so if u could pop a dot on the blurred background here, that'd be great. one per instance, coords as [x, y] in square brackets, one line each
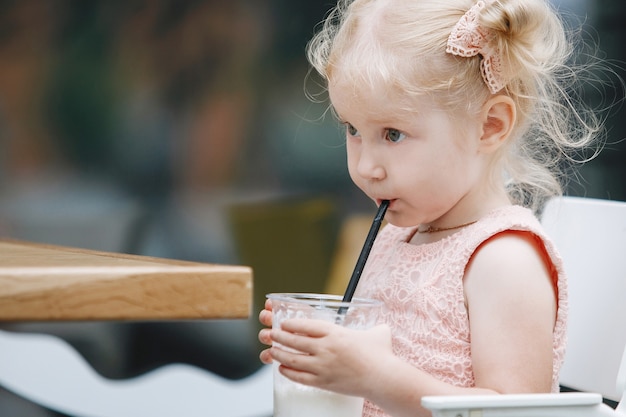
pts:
[181, 129]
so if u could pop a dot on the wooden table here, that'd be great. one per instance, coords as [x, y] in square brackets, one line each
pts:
[45, 282]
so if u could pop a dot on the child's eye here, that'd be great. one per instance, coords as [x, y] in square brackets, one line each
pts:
[393, 135]
[352, 130]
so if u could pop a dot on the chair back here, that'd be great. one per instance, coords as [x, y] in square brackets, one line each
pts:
[591, 237]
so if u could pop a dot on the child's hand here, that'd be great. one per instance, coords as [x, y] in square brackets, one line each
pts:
[333, 357]
[265, 317]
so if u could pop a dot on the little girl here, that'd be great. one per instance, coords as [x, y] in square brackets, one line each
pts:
[456, 112]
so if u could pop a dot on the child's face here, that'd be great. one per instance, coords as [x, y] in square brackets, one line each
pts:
[425, 162]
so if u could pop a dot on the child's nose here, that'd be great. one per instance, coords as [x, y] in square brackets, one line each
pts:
[369, 165]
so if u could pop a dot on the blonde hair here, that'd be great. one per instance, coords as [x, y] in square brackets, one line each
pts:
[400, 45]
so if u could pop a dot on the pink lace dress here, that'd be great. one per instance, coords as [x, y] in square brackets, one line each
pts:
[422, 290]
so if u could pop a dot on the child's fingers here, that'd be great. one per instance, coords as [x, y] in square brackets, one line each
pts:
[288, 341]
[265, 337]
[308, 327]
[266, 357]
[265, 317]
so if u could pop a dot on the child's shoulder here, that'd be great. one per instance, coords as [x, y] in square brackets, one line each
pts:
[510, 218]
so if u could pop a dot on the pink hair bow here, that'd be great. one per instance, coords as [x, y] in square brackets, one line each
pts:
[469, 39]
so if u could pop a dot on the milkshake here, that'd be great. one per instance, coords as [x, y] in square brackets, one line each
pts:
[292, 399]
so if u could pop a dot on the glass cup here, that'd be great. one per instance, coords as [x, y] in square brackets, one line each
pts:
[292, 399]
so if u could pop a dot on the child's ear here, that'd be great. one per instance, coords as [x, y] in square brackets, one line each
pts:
[499, 115]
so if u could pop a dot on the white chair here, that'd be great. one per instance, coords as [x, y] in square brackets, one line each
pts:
[591, 236]
[42, 282]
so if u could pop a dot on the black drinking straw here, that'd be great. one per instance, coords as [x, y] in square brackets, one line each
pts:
[360, 263]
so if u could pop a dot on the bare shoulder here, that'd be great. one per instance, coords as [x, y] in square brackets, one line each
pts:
[509, 261]
[512, 245]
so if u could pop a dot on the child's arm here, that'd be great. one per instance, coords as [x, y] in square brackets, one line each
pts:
[512, 310]
[356, 362]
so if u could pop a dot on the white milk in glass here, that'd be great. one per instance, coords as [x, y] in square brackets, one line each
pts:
[296, 400]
